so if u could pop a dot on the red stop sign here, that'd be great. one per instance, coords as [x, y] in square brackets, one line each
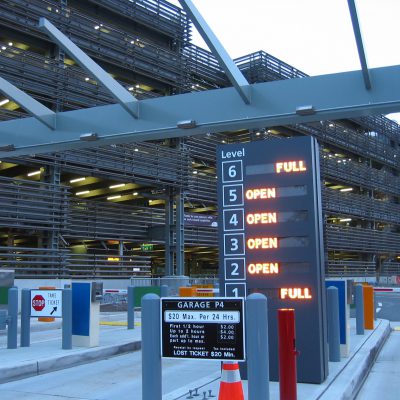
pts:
[38, 302]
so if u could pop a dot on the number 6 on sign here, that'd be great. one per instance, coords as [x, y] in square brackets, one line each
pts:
[232, 171]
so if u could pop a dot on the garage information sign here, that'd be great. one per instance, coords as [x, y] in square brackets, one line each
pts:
[46, 303]
[211, 329]
[270, 239]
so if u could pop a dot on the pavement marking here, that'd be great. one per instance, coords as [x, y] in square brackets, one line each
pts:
[117, 323]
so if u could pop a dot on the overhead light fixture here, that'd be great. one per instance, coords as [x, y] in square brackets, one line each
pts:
[33, 173]
[3, 47]
[305, 110]
[136, 149]
[97, 27]
[117, 186]
[346, 189]
[87, 79]
[114, 197]
[77, 180]
[135, 193]
[89, 137]
[80, 193]
[7, 147]
[186, 124]
[3, 102]
[131, 88]
[10, 43]
[345, 219]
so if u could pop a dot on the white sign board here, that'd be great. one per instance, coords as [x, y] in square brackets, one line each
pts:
[46, 303]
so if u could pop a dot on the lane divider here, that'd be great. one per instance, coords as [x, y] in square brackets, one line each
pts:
[117, 323]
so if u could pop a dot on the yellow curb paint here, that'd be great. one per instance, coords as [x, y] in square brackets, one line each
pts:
[117, 323]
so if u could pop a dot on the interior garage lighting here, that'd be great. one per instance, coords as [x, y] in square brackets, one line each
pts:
[135, 193]
[345, 219]
[346, 189]
[10, 43]
[3, 102]
[77, 180]
[80, 193]
[117, 186]
[114, 197]
[33, 173]
[3, 47]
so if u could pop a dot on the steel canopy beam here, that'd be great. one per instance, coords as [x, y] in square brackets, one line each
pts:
[230, 68]
[28, 103]
[123, 96]
[276, 103]
[359, 42]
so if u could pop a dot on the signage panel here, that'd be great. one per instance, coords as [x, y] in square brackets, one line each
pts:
[211, 329]
[46, 303]
[270, 235]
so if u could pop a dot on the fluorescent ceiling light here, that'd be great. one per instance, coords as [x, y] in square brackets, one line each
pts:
[34, 173]
[80, 193]
[3, 102]
[77, 180]
[345, 219]
[346, 189]
[113, 197]
[117, 186]
[135, 193]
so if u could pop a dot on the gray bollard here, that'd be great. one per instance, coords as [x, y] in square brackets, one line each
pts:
[151, 348]
[333, 323]
[164, 291]
[131, 307]
[257, 346]
[12, 318]
[359, 301]
[67, 319]
[25, 339]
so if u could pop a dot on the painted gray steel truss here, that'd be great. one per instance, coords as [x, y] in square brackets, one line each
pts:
[286, 102]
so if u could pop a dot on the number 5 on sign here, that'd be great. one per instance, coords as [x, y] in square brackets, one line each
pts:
[232, 195]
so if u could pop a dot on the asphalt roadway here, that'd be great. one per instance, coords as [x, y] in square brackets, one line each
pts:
[44, 371]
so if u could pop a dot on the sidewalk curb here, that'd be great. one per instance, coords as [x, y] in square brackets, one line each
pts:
[359, 365]
[46, 365]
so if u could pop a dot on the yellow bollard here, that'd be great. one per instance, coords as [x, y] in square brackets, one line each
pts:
[368, 292]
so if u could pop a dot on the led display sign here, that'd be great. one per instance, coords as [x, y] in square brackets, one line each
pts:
[270, 233]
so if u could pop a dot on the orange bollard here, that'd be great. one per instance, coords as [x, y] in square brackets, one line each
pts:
[231, 384]
[368, 292]
[187, 291]
[46, 319]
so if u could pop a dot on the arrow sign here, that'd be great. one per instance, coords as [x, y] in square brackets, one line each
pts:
[46, 303]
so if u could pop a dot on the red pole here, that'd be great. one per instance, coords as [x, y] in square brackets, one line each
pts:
[287, 354]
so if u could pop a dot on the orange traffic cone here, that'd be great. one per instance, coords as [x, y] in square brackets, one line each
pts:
[231, 384]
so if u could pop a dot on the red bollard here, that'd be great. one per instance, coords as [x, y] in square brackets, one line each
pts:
[287, 354]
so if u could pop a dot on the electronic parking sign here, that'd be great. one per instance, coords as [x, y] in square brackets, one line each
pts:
[270, 235]
[197, 328]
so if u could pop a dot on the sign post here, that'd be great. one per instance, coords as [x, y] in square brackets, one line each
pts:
[270, 235]
[211, 329]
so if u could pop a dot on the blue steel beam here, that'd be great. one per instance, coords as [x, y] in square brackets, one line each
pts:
[335, 96]
[28, 103]
[123, 96]
[232, 71]
[359, 42]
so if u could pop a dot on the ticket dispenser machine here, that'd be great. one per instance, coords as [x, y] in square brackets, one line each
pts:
[86, 298]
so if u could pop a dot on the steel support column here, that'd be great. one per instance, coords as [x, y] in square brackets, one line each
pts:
[180, 234]
[169, 217]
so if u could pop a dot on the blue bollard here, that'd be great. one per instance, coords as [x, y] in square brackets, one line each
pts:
[25, 318]
[12, 318]
[131, 307]
[333, 324]
[359, 300]
[67, 319]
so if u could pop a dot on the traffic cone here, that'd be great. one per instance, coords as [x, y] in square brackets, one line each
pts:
[231, 384]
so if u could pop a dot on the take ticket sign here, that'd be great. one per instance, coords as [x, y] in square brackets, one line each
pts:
[270, 236]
